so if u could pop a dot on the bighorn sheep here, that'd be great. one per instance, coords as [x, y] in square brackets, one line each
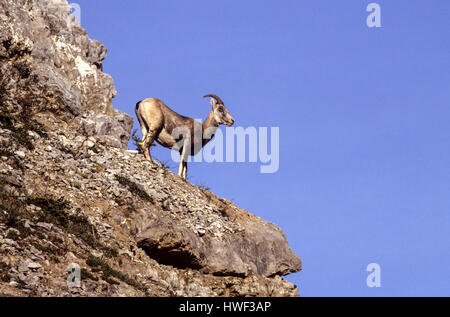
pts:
[172, 130]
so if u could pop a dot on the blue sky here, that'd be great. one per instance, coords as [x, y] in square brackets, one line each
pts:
[363, 113]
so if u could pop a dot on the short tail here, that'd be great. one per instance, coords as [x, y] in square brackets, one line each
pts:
[137, 105]
[141, 120]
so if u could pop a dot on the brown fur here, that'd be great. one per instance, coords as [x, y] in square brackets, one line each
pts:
[159, 122]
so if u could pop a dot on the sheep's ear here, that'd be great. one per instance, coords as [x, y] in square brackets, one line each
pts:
[213, 103]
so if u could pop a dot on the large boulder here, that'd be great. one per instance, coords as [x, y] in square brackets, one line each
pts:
[236, 244]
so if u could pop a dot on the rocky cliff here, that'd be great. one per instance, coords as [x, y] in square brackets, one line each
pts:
[72, 193]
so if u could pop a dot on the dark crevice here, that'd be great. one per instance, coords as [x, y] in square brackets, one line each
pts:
[230, 274]
[173, 256]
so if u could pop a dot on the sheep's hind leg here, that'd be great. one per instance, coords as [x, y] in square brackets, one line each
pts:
[141, 144]
[146, 137]
[147, 143]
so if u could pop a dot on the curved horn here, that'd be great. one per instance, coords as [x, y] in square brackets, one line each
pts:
[215, 97]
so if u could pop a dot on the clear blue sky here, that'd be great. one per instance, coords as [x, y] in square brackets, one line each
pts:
[364, 117]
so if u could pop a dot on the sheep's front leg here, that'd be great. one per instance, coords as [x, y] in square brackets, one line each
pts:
[182, 170]
[185, 168]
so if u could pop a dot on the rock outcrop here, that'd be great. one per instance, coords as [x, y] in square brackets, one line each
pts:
[51, 65]
[71, 193]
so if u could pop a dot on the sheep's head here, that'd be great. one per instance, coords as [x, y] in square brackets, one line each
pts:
[221, 114]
